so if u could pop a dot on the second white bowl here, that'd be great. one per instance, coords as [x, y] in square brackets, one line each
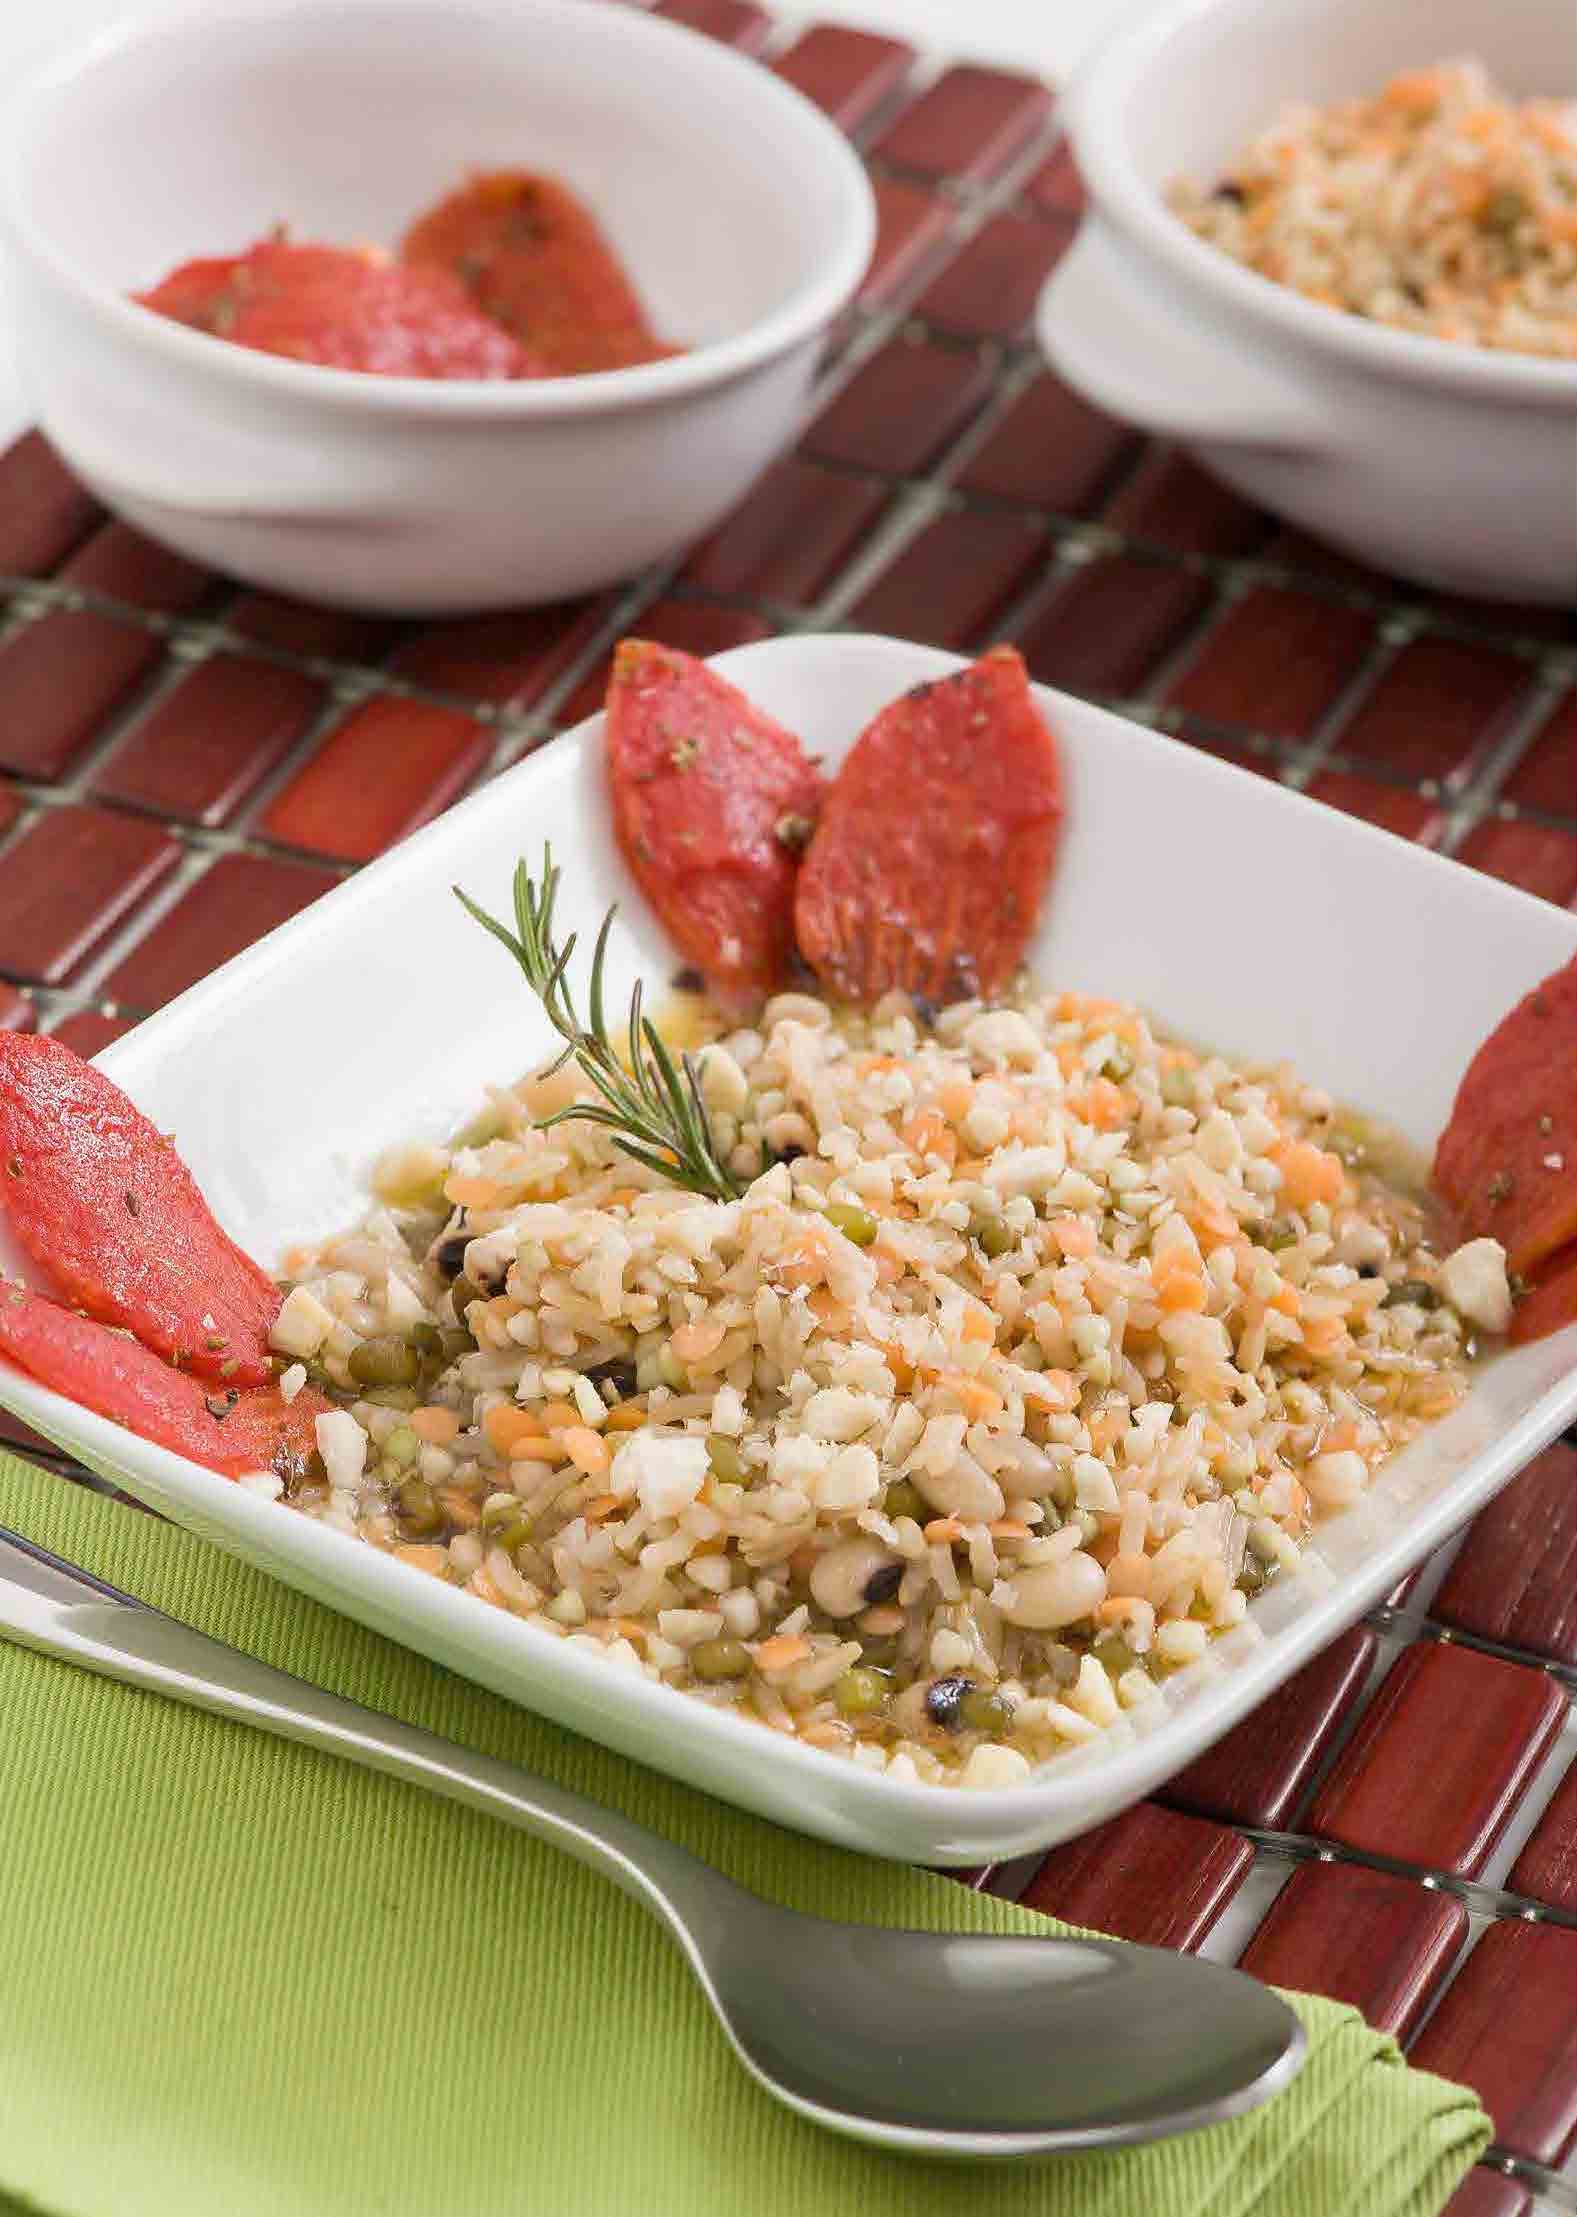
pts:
[742, 215]
[1447, 463]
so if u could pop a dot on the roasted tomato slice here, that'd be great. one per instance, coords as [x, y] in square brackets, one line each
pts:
[226, 1429]
[935, 842]
[115, 1221]
[200, 294]
[1507, 1160]
[535, 260]
[342, 308]
[712, 803]
[1551, 1300]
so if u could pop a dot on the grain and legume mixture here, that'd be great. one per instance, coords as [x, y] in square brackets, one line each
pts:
[1029, 1354]
[1438, 206]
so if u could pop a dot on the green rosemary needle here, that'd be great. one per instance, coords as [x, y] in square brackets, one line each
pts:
[650, 1104]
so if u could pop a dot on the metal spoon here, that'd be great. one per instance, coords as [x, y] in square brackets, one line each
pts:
[936, 2043]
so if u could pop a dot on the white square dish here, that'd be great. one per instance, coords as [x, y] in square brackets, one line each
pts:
[1240, 913]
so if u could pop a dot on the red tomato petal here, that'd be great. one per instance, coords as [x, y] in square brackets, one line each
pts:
[1507, 1160]
[535, 260]
[936, 841]
[200, 294]
[115, 1221]
[103, 1370]
[343, 309]
[712, 803]
[1551, 1301]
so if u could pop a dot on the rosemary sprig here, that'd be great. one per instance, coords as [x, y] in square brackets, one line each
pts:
[651, 1105]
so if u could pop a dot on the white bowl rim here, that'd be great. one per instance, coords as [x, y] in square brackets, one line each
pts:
[806, 310]
[1093, 111]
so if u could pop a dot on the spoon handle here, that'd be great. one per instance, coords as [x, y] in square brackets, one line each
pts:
[52, 1606]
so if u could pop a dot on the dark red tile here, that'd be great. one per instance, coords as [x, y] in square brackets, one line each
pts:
[1056, 189]
[1488, 2194]
[1514, 1579]
[1051, 449]
[70, 879]
[1258, 1773]
[61, 677]
[1536, 857]
[292, 627]
[120, 562]
[1508, 2027]
[790, 537]
[17, 1013]
[847, 73]
[1111, 623]
[1173, 503]
[989, 290]
[200, 749]
[1546, 777]
[694, 626]
[910, 222]
[901, 408]
[735, 22]
[968, 123]
[88, 1032]
[1291, 549]
[1381, 1943]
[232, 904]
[1435, 1768]
[1393, 807]
[1150, 1875]
[1274, 663]
[508, 661]
[1546, 1870]
[1436, 709]
[950, 584]
[391, 766]
[64, 674]
[44, 512]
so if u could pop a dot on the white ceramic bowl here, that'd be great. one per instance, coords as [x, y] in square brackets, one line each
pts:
[1452, 465]
[276, 1077]
[741, 213]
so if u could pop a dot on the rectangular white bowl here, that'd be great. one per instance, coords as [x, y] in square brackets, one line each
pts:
[1241, 914]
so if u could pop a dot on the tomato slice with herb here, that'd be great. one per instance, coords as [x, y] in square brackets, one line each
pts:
[712, 804]
[115, 1222]
[201, 294]
[342, 308]
[1550, 1301]
[227, 1429]
[936, 842]
[533, 258]
[1507, 1160]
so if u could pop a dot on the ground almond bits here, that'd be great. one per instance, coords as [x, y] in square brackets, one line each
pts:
[1028, 1357]
[1438, 206]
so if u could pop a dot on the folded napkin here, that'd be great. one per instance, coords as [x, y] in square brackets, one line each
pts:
[239, 1976]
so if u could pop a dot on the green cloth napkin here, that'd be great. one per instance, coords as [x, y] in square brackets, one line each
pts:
[237, 1976]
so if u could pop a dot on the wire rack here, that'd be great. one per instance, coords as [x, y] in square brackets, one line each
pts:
[184, 763]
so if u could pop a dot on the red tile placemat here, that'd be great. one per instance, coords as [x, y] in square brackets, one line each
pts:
[184, 763]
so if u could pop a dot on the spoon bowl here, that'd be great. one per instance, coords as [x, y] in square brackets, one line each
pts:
[993, 2045]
